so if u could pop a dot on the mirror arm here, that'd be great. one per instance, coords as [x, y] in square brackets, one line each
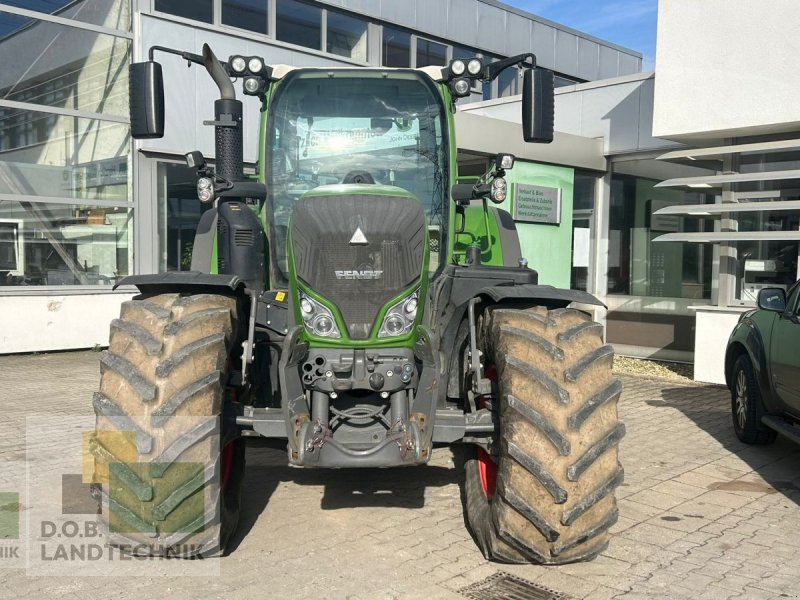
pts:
[187, 56]
[492, 70]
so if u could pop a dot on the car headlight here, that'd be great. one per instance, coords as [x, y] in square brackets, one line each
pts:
[400, 317]
[317, 318]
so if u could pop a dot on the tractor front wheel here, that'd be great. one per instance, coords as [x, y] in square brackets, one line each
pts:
[169, 466]
[547, 495]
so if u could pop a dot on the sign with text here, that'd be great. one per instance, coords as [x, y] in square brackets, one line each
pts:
[537, 204]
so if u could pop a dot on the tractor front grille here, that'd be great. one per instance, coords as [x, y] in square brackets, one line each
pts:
[358, 277]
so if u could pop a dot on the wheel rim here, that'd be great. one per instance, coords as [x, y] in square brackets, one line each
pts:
[487, 469]
[741, 398]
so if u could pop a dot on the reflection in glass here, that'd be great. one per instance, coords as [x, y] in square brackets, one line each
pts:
[199, 10]
[323, 128]
[509, 82]
[299, 23]
[768, 263]
[637, 265]
[51, 155]
[61, 244]
[396, 48]
[347, 36]
[179, 212]
[115, 14]
[73, 68]
[430, 53]
[245, 14]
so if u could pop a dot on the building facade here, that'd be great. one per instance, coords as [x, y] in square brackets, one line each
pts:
[677, 189]
[81, 206]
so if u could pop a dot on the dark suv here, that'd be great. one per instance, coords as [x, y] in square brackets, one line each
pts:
[762, 368]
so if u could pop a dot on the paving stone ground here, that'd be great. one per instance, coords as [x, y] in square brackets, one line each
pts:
[701, 515]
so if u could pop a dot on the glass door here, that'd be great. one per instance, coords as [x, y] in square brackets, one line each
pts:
[582, 228]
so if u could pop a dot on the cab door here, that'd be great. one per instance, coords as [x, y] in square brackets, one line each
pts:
[785, 353]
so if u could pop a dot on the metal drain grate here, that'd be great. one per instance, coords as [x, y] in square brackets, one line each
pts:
[503, 586]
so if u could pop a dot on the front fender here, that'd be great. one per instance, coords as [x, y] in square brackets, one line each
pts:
[543, 294]
[747, 337]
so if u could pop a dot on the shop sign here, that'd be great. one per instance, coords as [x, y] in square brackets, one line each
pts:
[537, 204]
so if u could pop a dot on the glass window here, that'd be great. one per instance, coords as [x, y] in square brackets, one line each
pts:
[637, 265]
[115, 14]
[765, 263]
[347, 36]
[583, 194]
[50, 155]
[74, 69]
[63, 244]
[462, 52]
[10, 23]
[324, 128]
[396, 48]
[430, 53]
[179, 212]
[245, 14]
[299, 23]
[198, 10]
[561, 81]
[509, 82]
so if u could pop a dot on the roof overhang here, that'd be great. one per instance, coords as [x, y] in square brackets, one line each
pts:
[484, 135]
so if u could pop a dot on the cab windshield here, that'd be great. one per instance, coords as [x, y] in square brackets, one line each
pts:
[331, 127]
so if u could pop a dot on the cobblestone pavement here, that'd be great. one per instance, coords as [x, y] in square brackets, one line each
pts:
[702, 515]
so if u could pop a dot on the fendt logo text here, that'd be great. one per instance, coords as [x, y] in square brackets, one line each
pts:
[356, 274]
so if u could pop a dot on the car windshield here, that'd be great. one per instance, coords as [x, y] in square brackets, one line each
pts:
[330, 127]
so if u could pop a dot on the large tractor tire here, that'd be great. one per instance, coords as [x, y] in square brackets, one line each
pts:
[169, 468]
[546, 493]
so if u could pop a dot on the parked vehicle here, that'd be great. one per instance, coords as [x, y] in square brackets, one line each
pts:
[762, 368]
[358, 303]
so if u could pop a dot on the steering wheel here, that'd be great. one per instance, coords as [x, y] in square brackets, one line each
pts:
[358, 177]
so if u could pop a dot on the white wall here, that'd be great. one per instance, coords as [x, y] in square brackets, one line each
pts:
[713, 328]
[726, 68]
[53, 322]
[619, 110]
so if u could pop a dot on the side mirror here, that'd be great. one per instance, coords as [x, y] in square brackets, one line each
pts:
[538, 106]
[146, 100]
[462, 193]
[772, 299]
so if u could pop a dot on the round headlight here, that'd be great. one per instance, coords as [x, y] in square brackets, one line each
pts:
[474, 66]
[461, 87]
[238, 64]
[457, 67]
[255, 65]
[499, 190]
[410, 306]
[251, 84]
[306, 306]
[205, 189]
[395, 325]
[322, 325]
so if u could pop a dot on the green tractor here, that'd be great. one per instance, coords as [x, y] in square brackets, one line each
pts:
[357, 303]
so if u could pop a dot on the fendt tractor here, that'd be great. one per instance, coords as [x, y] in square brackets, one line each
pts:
[358, 303]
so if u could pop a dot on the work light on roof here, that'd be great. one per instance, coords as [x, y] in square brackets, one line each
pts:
[238, 64]
[255, 65]
[474, 67]
[461, 87]
[458, 67]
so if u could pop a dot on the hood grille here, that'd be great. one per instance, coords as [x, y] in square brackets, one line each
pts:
[358, 278]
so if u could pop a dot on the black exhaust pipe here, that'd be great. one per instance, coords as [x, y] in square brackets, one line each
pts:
[241, 246]
[228, 133]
